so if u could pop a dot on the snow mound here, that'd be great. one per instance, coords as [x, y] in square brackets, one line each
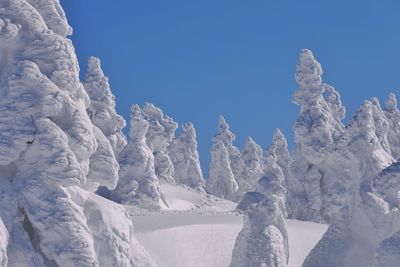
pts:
[199, 230]
[205, 240]
[181, 198]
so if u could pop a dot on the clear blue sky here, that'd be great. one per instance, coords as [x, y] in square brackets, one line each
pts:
[199, 59]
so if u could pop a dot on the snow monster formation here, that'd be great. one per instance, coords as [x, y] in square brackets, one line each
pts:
[317, 132]
[185, 157]
[387, 186]
[273, 180]
[47, 149]
[251, 168]
[279, 148]
[159, 136]
[371, 213]
[263, 241]
[102, 106]
[222, 182]
[227, 138]
[392, 114]
[138, 184]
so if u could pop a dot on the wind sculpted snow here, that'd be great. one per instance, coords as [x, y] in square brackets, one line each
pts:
[48, 145]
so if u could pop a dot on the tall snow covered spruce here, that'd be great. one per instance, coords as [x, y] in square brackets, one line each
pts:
[159, 136]
[222, 182]
[251, 168]
[138, 184]
[48, 146]
[185, 157]
[102, 106]
[317, 131]
[370, 214]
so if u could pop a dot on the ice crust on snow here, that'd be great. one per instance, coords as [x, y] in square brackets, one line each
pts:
[185, 158]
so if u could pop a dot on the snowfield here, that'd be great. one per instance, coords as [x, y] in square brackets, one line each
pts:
[200, 230]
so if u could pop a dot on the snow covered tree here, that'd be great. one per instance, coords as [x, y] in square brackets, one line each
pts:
[102, 106]
[278, 161]
[317, 131]
[263, 240]
[186, 160]
[159, 136]
[273, 181]
[251, 168]
[48, 146]
[279, 147]
[138, 184]
[221, 182]
[227, 138]
[370, 213]
[392, 114]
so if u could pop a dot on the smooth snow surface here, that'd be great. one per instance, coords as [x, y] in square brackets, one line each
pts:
[200, 230]
[303, 236]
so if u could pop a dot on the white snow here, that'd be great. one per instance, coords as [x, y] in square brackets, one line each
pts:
[205, 236]
[207, 240]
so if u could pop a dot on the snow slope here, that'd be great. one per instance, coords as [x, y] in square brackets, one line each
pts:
[200, 230]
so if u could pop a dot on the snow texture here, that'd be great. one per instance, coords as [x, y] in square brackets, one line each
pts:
[138, 184]
[102, 106]
[159, 136]
[47, 141]
[185, 157]
[112, 231]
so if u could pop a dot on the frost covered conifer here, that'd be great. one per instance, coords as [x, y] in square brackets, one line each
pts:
[185, 157]
[251, 168]
[392, 114]
[317, 131]
[138, 184]
[102, 106]
[227, 138]
[281, 160]
[273, 181]
[222, 182]
[48, 146]
[279, 147]
[263, 241]
[159, 136]
[370, 213]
